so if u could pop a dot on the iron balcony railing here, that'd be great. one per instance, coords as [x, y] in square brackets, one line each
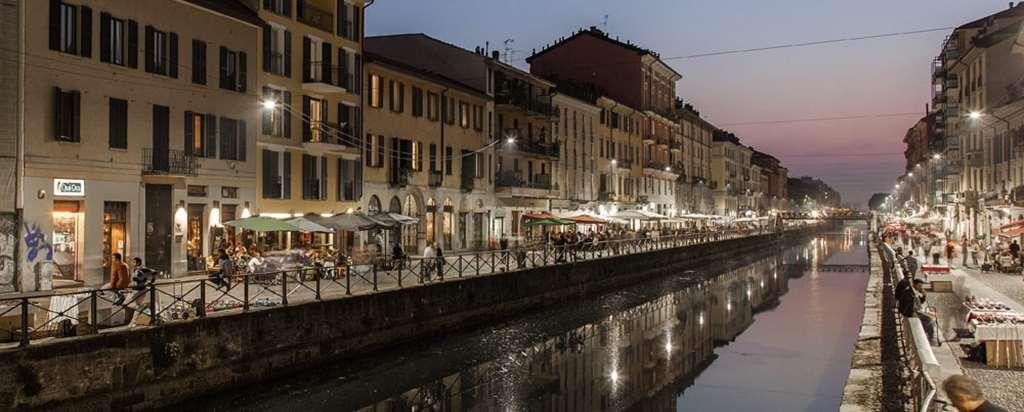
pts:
[399, 177]
[434, 178]
[169, 162]
[85, 311]
[315, 16]
[513, 178]
[525, 145]
[523, 100]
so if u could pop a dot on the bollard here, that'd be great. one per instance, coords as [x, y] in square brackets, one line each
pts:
[348, 279]
[154, 319]
[284, 288]
[24, 323]
[93, 323]
[317, 291]
[374, 277]
[201, 310]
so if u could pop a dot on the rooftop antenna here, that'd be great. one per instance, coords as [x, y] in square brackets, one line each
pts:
[508, 49]
[604, 24]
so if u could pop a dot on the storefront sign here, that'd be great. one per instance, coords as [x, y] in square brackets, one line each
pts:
[68, 187]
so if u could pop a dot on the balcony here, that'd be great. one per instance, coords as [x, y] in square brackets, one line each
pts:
[331, 137]
[662, 142]
[467, 182]
[399, 177]
[320, 77]
[511, 182]
[606, 196]
[169, 163]
[314, 16]
[524, 145]
[435, 178]
[519, 99]
[649, 138]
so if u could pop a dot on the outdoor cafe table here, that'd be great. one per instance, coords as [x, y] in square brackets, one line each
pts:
[1003, 347]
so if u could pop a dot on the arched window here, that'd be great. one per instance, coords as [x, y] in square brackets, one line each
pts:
[374, 205]
[430, 217]
[447, 223]
[395, 206]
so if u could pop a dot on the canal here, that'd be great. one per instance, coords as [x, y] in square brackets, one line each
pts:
[768, 332]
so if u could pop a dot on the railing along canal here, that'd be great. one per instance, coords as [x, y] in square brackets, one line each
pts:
[39, 316]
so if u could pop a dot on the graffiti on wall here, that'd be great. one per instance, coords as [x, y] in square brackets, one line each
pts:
[8, 241]
[35, 241]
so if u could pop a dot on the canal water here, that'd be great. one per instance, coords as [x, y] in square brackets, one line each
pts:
[759, 333]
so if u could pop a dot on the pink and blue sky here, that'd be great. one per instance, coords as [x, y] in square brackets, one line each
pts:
[857, 157]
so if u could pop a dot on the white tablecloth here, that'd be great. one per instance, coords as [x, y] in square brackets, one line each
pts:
[999, 332]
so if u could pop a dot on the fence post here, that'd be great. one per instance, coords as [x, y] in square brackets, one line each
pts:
[245, 293]
[318, 276]
[348, 279]
[24, 323]
[460, 261]
[201, 310]
[92, 312]
[154, 319]
[284, 287]
[476, 257]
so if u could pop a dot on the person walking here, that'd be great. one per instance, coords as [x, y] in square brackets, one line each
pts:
[142, 279]
[966, 396]
[963, 251]
[439, 261]
[1015, 250]
[911, 263]
[950, 250]
[427, 264]
[119, 279]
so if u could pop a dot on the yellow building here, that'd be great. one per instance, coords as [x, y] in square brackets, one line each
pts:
[429, 155]
[730, 175]
[619, 164]
[661, 166]
[695, 194]
[142, 139]
[575, 130]
[309, 135]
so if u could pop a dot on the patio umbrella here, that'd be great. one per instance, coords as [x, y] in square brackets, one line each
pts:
[263, 224]
[586, 219]
[548, 222]
[354, 222]
[309, 224]
[395, 219]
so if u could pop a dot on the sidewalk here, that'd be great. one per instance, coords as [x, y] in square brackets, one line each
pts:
[1002, 386]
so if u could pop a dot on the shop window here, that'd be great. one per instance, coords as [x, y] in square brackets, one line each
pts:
[194, 247]
[447, 223]
[67, 226]
[115, 232]
[431, 214]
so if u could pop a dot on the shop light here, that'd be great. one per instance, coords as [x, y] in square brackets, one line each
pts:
[215, 215]
[246, 213]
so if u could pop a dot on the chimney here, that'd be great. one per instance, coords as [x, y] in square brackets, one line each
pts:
[495, 55]
[1011, 4]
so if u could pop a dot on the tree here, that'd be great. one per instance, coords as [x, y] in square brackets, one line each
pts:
[877, 200]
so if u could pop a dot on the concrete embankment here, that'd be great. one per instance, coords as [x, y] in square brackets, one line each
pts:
[160, 366]
[864, 383]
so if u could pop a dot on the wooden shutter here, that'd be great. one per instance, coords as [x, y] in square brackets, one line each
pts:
[132, 48]
[306, 45]
[357, 32]
[243, 140]
[267, 57]
[342, 18]
[323, 178]
[343, 79]
[227, 143]
[358, 82]
[118, 123]
[419, 156]
[58, 113]
[357, 181]
[271, 187]
[380, 151]
[367, 151]
[223, 83]
[287, 8]
[76, 115]
[198, 61]
[401, 97]
[326, 66]
[54, 25]
[189, 133]
[148, 47]
[86, 25]
[286, 180]
[243, 78]
[287, 124]
[287, 53]
[105, 37]
[210, 143]
[307, 135]
[172, 65]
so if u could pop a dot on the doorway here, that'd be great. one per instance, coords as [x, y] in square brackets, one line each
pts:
[158, 227]
[115, 234]
[67, 228]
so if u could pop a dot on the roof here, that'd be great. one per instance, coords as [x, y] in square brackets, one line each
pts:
[1014, 11]
[763, 159]
[993, 38]
[725, 136]
[431, 55]
[593, 31]
[371, 57]
[231, 8]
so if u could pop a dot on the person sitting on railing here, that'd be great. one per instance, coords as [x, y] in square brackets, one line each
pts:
[397, 256]
[225, 270]
[924, 312]
[966, 396]
[142, 279]
[118, 277]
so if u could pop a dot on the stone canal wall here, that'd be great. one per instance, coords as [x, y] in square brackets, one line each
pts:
[863, 390]
[156, 367]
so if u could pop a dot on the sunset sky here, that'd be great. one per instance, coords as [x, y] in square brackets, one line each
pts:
[867, 77]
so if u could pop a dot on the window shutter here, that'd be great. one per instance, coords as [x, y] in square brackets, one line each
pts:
[367, 151]
[76, 115]
[342, 18]
[189, 133]
[86, 17]
[287, 8]
[325, 66]
[287, 124]
[287, 53]
[300, 8]
[105, 37]
[117, 124]
[358, 83]
[380, 151]
[307, 135]
[223, 83]
[243, 78]
[198, 61]
[357, 181]
[419, 156]
[357, 32]
[357, 126]
[132, 49]
[286, 180]
[401, 97]
[55, 25]
[306, 45]
[58, 112]
[210, 126]
[266, 5]
[226, 141]
[343, 79]
[148, 47]
[267, 34]
[323, 178]
[243, 140]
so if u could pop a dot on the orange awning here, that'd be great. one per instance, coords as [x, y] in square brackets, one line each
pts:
[586, 220]
[1017, 231]
[538, 216]
[1019, 223]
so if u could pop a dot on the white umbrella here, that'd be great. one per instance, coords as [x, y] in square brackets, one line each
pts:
[309, 225]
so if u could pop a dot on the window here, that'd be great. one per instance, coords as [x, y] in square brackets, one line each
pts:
[70, 28]
[277, 175]
[396, 96]
[374, 150]
[450, 111]
[314, 177]
[277, 50]
[281, 7]
[67, 107]
[118, 138]
[277, 121]
[161, 52]
[198, 61]
[314, 113]
[350, 180]
[232, 139]
[417, 102]
[232, 70]
[195, 134]
[464, 115]
[448, 160]
[376, 99]
[433, 157]
[432, 106]
[113, 40]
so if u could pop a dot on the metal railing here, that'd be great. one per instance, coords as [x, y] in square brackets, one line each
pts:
[57, 314]
[315, 16]
[169, 162]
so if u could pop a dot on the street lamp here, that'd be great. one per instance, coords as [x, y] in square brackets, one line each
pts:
[269, 104]
[937, 156]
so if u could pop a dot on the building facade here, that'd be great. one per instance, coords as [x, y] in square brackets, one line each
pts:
[731, 181]
[694, 192]
[146, 117]
[575, 131]
[11, 12]
[434, 162]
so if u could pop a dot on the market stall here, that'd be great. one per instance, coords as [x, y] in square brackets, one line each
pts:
[1000, 329]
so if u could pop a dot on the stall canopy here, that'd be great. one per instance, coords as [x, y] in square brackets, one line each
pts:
[584, 218]
[310, 224]
[394, 219]
[263, 224]
[638, 215]
[354, 222]
[1012, 232]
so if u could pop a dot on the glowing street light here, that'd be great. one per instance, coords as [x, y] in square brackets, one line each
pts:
[911, 174]
[975, 115]
[269, 104]
[614, 162]
[937, 156]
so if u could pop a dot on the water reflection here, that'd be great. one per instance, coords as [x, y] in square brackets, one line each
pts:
[635, 349]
